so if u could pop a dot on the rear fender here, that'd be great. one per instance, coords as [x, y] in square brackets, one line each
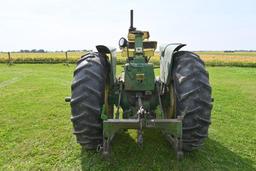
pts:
[111, 52]
[108, 107]
[166, 60]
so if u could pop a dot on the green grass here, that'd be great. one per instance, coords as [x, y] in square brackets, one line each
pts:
[36, 132]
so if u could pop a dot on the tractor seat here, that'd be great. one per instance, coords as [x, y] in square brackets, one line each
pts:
[146, 45]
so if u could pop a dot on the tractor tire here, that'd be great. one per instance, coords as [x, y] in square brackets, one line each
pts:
[193, 98]
[87, 99]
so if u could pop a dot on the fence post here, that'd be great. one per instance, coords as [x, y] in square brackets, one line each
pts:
[66, 55]
[9, 59]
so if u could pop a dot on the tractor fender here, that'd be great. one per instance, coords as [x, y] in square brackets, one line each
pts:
[111, 53]
[166, 59]
[105, 49]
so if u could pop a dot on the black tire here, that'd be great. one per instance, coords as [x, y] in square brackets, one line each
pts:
[87, 99]
[193, 98]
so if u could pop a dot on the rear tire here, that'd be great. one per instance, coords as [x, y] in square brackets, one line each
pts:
[87, 99]
[193, 98]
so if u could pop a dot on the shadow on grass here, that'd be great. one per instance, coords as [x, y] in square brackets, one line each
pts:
[157, 154]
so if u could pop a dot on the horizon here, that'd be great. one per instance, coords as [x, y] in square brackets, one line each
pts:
[118, 50]
[64, 25]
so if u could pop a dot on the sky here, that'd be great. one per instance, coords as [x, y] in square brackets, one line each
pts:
[82, 24]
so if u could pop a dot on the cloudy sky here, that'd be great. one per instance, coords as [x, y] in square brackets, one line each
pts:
[81, 24]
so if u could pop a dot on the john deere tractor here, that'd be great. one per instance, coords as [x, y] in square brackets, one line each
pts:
[178, 102]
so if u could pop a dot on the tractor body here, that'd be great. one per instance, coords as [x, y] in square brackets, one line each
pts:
[138, 92]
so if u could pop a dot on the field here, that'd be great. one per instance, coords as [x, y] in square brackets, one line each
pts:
[36, 132]
[211, 58]
[218, 58]
[49, 57]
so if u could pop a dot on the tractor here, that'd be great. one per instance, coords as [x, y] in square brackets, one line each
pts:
[178, 102]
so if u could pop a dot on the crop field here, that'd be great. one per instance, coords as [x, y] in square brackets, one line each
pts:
[229, 58]
[211, 58]
[36, 132]
[49, 57]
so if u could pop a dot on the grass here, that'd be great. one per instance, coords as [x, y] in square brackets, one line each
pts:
[36, 132]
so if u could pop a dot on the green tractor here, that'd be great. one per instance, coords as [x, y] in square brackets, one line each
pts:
[178, 102]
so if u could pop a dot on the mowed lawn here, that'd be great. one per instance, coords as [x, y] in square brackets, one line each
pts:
[36, 132]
